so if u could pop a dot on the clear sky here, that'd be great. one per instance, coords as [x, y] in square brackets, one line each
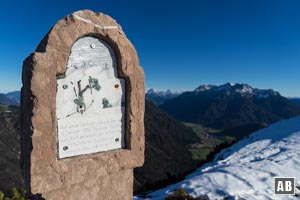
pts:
[181, 43]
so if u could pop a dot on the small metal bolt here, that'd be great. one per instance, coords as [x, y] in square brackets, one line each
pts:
[117, 140]
[65, 86]
[116, 86]
[93, 46]
[65, 148]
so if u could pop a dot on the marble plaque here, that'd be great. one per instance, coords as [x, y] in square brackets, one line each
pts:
[90, 102]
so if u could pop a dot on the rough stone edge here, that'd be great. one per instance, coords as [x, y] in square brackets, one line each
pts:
[54, 46]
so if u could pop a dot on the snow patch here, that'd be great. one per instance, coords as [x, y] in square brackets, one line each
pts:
[90, 22]
[244, 89]
[203, 88]
[162, 93]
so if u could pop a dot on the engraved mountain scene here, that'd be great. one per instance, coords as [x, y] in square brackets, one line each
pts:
[90, 100]
[81, 90]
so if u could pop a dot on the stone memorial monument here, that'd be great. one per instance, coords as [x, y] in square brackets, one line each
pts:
[82, 109]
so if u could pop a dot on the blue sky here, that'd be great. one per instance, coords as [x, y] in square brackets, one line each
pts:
[181, 43]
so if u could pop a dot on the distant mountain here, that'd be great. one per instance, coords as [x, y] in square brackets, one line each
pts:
[230, 106]
[166, 153]
[14, 96]
[159, 97]
[5, 100]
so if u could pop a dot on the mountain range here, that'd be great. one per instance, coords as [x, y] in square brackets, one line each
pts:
[159, 97]
[11, 98]
[231, 106]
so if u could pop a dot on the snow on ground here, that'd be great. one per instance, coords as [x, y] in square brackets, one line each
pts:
[247, 169]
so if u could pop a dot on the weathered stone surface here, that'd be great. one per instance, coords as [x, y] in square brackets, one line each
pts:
[106, 175]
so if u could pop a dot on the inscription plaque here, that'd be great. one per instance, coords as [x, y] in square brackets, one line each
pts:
[90, 102]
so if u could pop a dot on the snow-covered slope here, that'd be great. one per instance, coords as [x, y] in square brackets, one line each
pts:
[247, 169]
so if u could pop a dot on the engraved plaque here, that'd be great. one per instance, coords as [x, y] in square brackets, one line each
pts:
[90, 102]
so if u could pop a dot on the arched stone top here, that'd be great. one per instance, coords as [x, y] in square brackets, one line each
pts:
[81, 23]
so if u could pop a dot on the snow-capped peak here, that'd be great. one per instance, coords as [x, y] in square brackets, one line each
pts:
[226, 88]
[204, 87]
[236, 88]
[152, 91]
[244, 89]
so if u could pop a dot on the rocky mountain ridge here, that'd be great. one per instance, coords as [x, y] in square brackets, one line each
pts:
[11, 98]
[159, 97]
[238, 89]
[230, 106]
